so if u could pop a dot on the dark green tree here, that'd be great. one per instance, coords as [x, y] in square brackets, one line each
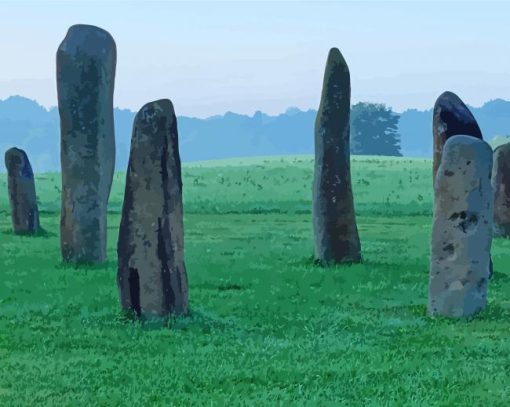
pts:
[374, 130]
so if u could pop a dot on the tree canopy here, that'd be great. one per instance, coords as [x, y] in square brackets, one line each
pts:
[374, 130]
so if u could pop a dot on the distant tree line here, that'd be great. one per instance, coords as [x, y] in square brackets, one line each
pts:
[374, 130]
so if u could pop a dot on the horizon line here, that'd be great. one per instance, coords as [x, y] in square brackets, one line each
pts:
[286, 112]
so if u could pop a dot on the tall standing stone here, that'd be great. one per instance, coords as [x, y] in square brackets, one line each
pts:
[501, 187]
[86, 61]
[462, 229]
[22, 197]
[151, 275]
[451, 118]
[334, 219]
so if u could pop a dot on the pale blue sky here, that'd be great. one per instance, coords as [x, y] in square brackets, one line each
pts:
[212, 57]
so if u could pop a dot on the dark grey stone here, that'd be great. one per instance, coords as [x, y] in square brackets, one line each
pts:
[501, 187]
[151, 272]
[451, 117]
[460, 263]
[22, 196]
[86, 61]
[334, 219]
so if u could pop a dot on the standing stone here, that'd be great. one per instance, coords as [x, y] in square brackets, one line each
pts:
[451, 118]
[86, 62]
[151, 275]
[22, 197]
[501, 187]
[334, 219]
[462, 229]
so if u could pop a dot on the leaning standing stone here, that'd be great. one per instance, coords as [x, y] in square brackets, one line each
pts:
[334, 219]
[151, 275]
[462, 229]
[451, 118]
[22, 197]
[501, 187]
[86, 62]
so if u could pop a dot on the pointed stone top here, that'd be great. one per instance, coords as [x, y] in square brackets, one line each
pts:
[16, 161]
[89, 39]
[454, 117]
[155, 109]
[15, 150]
[503, 147]
[336, 58]
[88, 28]
[461, 141]
[160, 105]
[336, 86]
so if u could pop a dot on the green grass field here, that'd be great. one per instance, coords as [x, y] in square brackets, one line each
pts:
[267, 326]
[385, 186]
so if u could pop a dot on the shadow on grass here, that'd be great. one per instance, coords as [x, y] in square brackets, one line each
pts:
[230, 287]
[85, 266]
[498, 276]
[492, 313]
[53, 212]
[311, 261]
[41, 233]
[195, 321]
[317, 263]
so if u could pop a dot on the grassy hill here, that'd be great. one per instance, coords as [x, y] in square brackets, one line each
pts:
[268, 327]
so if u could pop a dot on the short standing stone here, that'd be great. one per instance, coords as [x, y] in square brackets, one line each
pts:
[86, 62]
[501, 187]
[22, 197]
[462, 229]
[451, 118]
[151, 275]
[334, 219]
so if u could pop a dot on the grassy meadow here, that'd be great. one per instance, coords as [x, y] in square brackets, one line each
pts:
[267, 327]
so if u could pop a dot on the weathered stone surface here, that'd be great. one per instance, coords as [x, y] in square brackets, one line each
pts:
[462, 229]
[86, 61]
[334, 219]
[501, 187]
[22, 197]
[451, 118]
[151, 275]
